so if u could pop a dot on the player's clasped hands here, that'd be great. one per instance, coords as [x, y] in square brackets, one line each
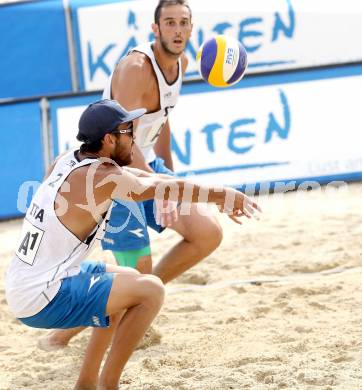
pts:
[166, 212]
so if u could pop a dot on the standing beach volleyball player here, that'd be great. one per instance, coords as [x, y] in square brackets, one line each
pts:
[152, 76]
[48, 283]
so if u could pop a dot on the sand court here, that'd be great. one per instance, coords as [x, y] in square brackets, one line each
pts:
[277, 306]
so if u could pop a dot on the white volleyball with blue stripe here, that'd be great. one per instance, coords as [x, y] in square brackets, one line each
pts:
[222, 61]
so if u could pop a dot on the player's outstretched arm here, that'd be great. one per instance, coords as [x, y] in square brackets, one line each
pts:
[138, 188]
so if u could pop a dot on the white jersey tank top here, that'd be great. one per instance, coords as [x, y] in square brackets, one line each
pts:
[150, 124]
[47, 251]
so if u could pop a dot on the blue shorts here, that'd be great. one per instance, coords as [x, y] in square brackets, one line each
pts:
[80, 301]
[127, 227]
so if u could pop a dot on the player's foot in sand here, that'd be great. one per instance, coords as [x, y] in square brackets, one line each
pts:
[51, 342]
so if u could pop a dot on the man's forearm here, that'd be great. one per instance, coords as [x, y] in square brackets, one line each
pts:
[183, 191]
[149, 186]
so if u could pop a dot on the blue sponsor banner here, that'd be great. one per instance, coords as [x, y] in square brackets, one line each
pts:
[89, 61]
[21, 156]
[270, 128]
[64, 114]
[290, 126]
[297, 76]
[277, 34]
[34, 50]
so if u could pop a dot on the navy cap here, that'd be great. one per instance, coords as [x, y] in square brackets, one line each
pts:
[103, 117]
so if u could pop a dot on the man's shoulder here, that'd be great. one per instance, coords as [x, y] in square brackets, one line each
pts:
[133, 73]
[135, 63]
[96, 175]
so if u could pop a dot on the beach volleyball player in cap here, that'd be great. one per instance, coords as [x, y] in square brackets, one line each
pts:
[152, 74]
[48, 283]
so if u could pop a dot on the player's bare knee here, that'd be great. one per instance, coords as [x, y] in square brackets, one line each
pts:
[217, 234]
[211, 234]
[153, 291]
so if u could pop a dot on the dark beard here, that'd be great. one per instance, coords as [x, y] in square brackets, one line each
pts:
[122, 159]
[166, 48]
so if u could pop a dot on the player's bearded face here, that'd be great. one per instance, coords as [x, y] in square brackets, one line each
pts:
[123, 154]
[168, 44]
[174, 29]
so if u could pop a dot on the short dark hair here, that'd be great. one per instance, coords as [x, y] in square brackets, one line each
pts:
[167, 3]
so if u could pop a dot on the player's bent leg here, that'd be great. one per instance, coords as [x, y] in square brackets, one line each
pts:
[139, 259]
[60, 338]
[96, 348]
[144, 264]
[127, 236]
[131, 288]
[100, 339]
[201, 233]
[132, 303]
[142, 296]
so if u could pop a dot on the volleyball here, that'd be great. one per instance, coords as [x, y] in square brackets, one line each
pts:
[222, 61]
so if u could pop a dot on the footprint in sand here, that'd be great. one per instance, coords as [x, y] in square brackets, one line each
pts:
[280, 246]
[280, 305]
[304, 292]
[318, 305]
[314, 378]
[284, 339]
[338, 249]
[188, 373]
[343, 359]
[239, 289]
[266, 377]
[188, 309]
[314, 268]
[148, 364]
[242, 362]
[232, 320]
[303, 329]
[194, 278]
[260, 311]
[290, 310]
[152, 337]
